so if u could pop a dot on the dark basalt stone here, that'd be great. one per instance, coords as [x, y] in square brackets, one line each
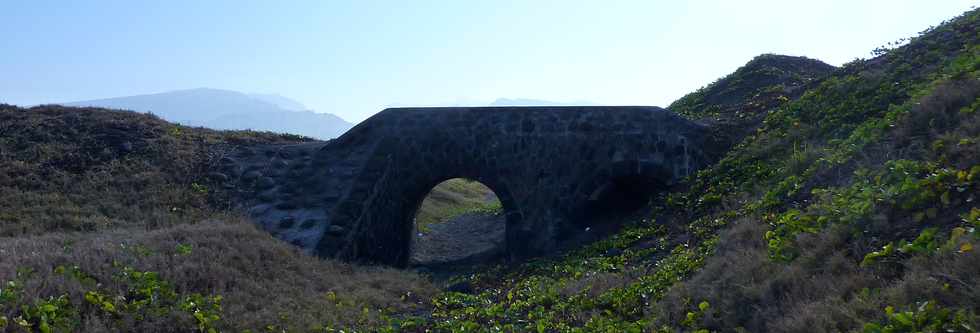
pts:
[218, 177]
[548, 165]
[336, 230]
[265, 183]
[267, 196]
[286, 205]
[310, 223]
[287, 222]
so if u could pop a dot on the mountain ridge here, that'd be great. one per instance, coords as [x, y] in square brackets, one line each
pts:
[229, 110]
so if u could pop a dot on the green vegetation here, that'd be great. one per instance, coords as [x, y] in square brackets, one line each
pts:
[923, 317]
[847, 203]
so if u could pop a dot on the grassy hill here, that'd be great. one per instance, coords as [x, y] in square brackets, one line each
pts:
[110, 221]
[86, 169]
[851, 207]
[736, 104]
[848, 202]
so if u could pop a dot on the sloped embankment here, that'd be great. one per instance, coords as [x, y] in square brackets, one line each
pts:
[850, 208]
[119, 221]
[88, 169]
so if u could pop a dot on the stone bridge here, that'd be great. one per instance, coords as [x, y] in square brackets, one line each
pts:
[355, 197]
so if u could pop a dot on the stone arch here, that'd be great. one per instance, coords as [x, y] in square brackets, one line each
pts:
[361, 190]
[384, 222]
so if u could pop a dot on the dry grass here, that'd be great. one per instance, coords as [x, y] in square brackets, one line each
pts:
[943, 126]
[824, 290]
[263, 281]
[750, 290]
[106, 191]
[85, 169]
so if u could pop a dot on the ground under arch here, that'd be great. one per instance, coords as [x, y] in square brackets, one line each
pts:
[459, 223]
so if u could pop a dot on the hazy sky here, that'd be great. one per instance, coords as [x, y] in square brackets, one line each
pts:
[353, 58]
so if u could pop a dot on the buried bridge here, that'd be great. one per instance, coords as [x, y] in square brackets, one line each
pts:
[355, 197]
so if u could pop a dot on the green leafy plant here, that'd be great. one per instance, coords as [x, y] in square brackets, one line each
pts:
[923, 317]
[206, 310]
[52, 314]
[692, 318]
[184, 249]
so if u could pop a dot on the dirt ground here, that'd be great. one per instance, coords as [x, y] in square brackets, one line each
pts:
[467, 239]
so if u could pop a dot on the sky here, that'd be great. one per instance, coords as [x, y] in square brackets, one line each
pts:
[354, 58]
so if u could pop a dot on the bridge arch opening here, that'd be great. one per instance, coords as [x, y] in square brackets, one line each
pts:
[624, 192]
[621, 195]
[459, 222]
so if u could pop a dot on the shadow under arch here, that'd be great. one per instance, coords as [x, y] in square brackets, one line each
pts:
[621, 189]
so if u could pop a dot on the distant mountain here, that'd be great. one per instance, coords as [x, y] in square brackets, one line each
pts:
[226, 109]
[537, 102]
[280, 101]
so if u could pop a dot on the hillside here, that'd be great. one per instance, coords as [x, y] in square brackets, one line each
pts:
[86, 169]
[112, 220]
[851, 207]
[229, 110]
[847, 202]
[736, 104]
